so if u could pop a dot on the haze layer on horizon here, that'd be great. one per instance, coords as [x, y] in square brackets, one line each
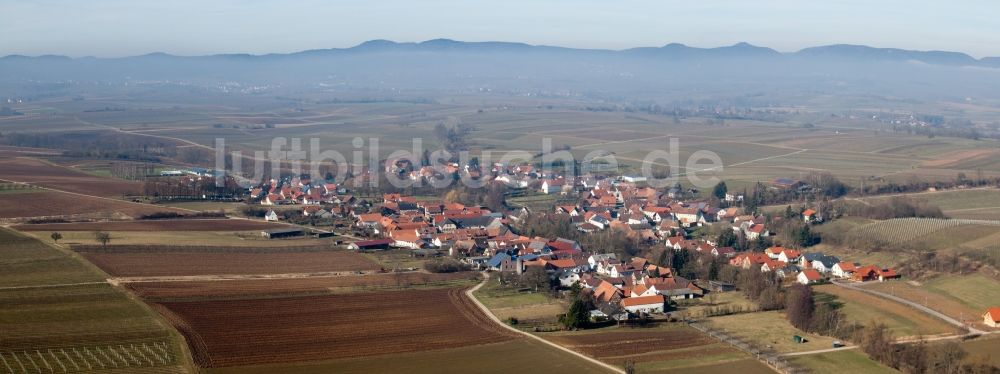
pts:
[113, 28]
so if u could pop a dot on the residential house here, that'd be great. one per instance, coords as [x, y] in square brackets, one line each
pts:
[597, 258]
[553, 186]
[844, 269]
[789, 256]
[808, 276]
[992, 317]
[271, 216]
[824, 264]
[644, 304]
[809, 215]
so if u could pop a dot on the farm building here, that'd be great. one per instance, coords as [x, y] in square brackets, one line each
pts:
[370, 245]
[808, 276]
[282, 233]
[719, 286]
[644, 304]
[992, 317]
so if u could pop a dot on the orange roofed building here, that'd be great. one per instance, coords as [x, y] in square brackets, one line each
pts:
[992, 317]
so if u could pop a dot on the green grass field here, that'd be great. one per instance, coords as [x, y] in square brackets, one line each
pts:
[849, 361]
[975, 290]
[768, 329]
[864, 308]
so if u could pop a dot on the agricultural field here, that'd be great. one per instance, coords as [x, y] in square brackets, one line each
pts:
[29, 262]
[982, 204]
[768, 330]
[923, 232]
[57, 314]
[983, 349]
[157, 225]
[963, 297]
[44, 203]
[847, 361]
[245, 332]
[493, 358]
[119, 261]
[863, 308]
[248, 239]
[655, 349]
[49, 175]
[311, 286]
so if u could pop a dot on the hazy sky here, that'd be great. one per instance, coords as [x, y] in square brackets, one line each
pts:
[129, 27]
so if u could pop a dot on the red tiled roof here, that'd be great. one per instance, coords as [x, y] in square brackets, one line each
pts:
[812, 275]
[643, 300]
[994, 313]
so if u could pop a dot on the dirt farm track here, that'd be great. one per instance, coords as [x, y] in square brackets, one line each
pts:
[244, 332]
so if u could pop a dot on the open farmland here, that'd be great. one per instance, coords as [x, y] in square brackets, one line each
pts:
[962, 297]
[980, 203]
[242, 332]
[653, 349]
[983, 349]
[764, 329]
[185, 239]
[157, 225]
[847, 361]
[120, 262]
[29, 262]
[914, 231]
[44, 203]
[57, 315]
[863, 308]
[261, 288]
[45, 174]
[493, 358]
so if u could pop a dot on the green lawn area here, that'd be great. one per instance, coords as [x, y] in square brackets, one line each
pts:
[975, 290]
[537, 203]
[863, 308]
[395, 259]
[768, 329]
[697, 307]
[496, 296]
[848, 361]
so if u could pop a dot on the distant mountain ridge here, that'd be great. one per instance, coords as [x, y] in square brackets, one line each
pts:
[677, 51]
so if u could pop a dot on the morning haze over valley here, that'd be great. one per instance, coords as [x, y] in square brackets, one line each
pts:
[498, 187]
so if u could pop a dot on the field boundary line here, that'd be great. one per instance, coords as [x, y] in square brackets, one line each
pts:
[484, 309]
[51, 285]
[818, 351]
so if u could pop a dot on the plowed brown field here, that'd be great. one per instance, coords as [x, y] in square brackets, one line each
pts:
[44, 174]
[44, 203]
[124, 264]
[243, 332]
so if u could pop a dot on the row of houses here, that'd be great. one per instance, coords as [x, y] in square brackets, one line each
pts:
[810, 267]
